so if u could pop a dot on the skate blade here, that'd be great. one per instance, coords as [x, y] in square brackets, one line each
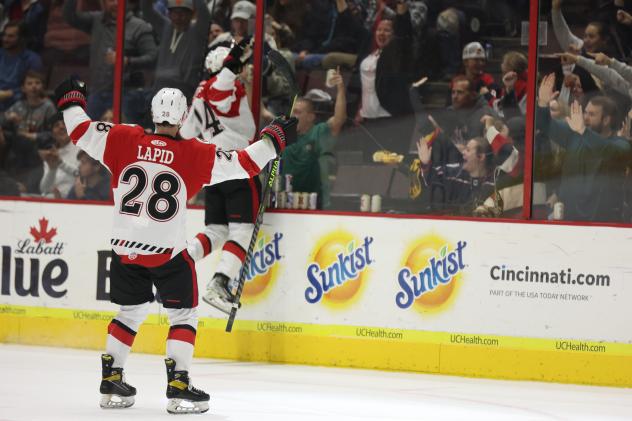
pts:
[116, 401]
[183, 406]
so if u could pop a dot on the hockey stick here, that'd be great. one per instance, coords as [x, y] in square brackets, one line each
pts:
[283, 67]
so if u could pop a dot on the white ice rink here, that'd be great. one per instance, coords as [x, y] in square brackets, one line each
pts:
[61, 384]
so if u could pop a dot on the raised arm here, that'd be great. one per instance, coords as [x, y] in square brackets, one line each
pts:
[203, 18]
[336, 121]
[80, 20]
[559, 132]
[622, 69]
[610, 77]
[91, 136]
[505, 154]
[562, 32]
[155, 19]
[246, 163]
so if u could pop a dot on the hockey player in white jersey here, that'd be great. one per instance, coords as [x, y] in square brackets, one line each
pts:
[153, 176]
[221, 115]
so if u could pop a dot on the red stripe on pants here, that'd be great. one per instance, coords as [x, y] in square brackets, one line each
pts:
[120, 334]
[254, 193]
[187, 258]
[184, 335]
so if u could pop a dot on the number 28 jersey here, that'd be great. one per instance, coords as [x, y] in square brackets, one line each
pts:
[153, 176]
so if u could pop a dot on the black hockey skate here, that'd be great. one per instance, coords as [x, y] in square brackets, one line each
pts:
[219, 294]
[115, 393]
[183, 397]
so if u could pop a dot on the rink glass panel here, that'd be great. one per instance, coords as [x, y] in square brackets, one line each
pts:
[582, 178]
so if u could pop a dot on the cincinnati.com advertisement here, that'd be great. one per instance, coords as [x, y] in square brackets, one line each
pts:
[376, 276]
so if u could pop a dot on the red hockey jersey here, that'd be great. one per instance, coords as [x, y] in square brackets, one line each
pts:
[153, 176]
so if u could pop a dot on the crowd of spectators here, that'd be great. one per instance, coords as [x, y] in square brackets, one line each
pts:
[417, 85]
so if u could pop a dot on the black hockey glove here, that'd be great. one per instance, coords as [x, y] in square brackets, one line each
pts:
[233, 60]
[70, 92]
[282, 132]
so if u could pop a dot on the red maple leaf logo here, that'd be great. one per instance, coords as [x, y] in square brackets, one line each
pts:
[43, 233]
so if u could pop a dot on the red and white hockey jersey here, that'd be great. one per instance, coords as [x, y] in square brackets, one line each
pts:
[153, 176]
[220, 113]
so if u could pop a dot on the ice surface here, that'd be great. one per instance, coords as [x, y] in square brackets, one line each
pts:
[62, 384]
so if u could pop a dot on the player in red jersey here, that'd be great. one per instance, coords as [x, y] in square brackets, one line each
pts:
[153, 176]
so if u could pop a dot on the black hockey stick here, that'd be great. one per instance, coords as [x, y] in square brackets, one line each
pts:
[283, 67]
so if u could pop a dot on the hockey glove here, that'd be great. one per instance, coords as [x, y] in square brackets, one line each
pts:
[233, 60]
[70, 92]
[282, 132]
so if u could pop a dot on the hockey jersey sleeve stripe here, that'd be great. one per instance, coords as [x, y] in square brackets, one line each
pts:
[187, 258]
[506, 154]
[236, 249]
[79, 131]
[91, 136]
[217, 96]
[495, 139]
[510, 165]
[248, 164]
[230, 165]
[184, 333]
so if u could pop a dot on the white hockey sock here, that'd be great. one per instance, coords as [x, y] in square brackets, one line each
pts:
[205, 242]
[122, 331]
[235, 249]
[181, 338]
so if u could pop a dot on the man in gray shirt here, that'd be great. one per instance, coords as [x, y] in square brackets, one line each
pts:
[140, 50]
[182, 44]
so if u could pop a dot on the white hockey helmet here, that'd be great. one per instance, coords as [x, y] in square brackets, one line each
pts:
[169, 105]
[215, 59]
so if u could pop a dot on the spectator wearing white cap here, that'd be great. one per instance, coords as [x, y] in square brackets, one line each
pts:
[242, 14]
[182, 43]
[474, 61]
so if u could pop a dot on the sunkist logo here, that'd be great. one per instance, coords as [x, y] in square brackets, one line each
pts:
[263, 267]
[338, 268]
[430, 274]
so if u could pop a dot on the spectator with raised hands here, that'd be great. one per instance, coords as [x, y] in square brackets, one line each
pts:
[308, 160]
[463, 186]
[595, 156]
[570, 78]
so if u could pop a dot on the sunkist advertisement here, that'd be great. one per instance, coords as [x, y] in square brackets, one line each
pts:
[338, 269]
[430, 273]
[264, 267]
